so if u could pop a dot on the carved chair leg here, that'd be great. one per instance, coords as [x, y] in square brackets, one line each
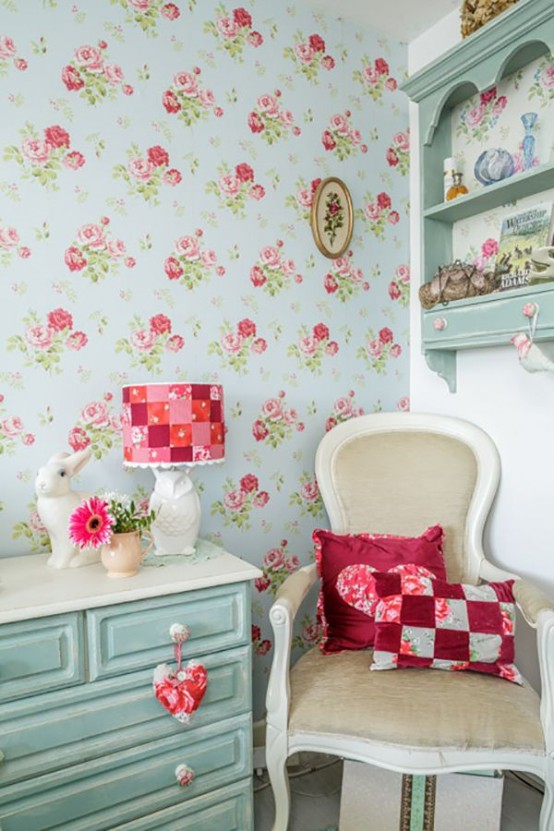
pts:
[276, 760]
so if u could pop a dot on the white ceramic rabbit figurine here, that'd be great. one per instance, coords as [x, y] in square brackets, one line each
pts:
[56, 501]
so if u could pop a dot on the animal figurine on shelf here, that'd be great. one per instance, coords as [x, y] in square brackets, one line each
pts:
[56, 501]
[542, 265]
[456, 282]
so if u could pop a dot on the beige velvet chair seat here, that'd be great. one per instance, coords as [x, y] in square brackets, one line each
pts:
[430, 708]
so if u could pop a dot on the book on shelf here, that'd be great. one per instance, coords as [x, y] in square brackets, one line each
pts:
[520, 234]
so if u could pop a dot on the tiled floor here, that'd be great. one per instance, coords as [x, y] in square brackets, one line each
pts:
[316, 802]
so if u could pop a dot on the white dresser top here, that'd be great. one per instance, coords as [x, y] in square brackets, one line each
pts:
[29, 588]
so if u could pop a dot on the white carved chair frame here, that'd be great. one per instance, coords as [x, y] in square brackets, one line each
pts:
[467, 563]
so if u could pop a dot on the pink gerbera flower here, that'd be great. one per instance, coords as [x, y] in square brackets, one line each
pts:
[90, 525]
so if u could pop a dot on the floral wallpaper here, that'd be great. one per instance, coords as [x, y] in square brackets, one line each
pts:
[492, 119]
[158, 164]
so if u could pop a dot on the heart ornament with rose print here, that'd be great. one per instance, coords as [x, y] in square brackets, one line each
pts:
[180, 690]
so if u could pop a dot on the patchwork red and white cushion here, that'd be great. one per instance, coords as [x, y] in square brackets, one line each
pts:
[344, 626]
[423, 622]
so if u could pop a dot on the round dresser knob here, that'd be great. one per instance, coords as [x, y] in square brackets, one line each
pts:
[184, 775]
[439, 324]
[179, 633]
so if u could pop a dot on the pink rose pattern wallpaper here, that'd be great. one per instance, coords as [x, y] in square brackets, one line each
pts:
[158, 166]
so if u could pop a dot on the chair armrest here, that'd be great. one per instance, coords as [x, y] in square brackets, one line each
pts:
[538, 611]
[530, 600]
[295, 588]
[282, 614]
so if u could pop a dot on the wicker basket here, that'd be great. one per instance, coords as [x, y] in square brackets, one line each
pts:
[475, 13]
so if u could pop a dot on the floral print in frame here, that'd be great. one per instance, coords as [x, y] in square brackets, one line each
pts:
[332, 217]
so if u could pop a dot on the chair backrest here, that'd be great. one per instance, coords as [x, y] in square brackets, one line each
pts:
[399, 473]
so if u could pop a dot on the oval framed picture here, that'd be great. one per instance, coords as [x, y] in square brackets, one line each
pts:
[332, 217]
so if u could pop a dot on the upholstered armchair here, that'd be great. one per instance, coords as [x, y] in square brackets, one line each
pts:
[398, 473]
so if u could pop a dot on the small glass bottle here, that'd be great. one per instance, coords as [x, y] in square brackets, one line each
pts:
[457, 189]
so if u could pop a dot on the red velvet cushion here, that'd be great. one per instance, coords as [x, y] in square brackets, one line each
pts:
[421, 622]
[343, 626]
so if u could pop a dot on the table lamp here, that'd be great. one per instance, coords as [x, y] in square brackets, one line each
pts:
[169, 428]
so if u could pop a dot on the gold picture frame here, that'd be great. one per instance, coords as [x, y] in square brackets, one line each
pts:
[332, 217]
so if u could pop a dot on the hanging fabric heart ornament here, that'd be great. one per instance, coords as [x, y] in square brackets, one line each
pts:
[180, 690]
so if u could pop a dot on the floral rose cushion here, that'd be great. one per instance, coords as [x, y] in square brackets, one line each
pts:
[424, 622]
[345, 627]
[356, 584]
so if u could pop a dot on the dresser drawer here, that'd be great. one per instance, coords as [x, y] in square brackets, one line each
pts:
[39, 655]
[56, 730]
[228, 809]
[107, 792]
[134, 636]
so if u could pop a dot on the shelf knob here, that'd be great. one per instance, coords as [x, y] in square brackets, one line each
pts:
[530, 309]
[439, 324]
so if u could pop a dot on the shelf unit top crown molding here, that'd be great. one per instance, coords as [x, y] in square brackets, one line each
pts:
[508, 28]
[510, 41]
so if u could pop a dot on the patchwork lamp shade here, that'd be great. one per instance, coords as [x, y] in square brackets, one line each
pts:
[170, 427]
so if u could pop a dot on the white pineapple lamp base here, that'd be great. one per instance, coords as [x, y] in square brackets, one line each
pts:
[177, 506]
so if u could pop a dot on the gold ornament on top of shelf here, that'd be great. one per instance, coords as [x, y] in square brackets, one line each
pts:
[475, 13]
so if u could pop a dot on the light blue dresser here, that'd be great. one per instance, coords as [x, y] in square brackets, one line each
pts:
[85, 745]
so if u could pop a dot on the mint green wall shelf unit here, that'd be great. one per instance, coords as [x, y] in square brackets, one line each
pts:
[508, 43]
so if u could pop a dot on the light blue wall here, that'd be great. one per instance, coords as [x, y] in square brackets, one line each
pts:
[73, 333]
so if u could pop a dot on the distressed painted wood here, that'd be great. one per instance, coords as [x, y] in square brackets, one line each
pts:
[122, 786]
[229, 810]
[30, 589]
[94, 720]
[36, 656]
[84, 744]
[474, 322]
[135, 635]
[512, 40]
